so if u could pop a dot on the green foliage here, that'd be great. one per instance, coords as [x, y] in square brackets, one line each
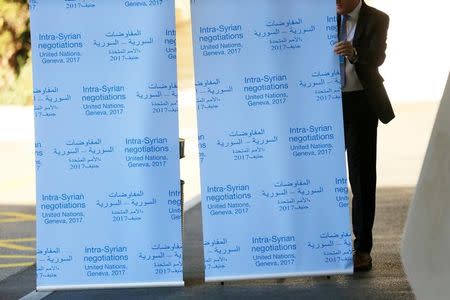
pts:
[15, 53]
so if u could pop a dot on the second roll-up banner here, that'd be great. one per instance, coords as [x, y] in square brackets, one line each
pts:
[274, 187]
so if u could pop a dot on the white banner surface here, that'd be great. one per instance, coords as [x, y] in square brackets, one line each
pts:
[107, 158]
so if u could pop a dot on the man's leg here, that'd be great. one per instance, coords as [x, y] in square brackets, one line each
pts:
[361, 143]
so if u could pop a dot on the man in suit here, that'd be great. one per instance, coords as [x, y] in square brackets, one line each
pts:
[361, 46]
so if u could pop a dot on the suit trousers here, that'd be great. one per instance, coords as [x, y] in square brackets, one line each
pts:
[360, 125]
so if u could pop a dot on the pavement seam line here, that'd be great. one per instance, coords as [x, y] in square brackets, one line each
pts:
[12, 244]
[24, 264]
[30, 239]
[13, 256]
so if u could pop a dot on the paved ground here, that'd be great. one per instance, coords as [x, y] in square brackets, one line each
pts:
[385, 281]
[17, 239]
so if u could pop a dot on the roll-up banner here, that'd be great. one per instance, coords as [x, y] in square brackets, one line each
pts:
[274, 187]
[107, 155]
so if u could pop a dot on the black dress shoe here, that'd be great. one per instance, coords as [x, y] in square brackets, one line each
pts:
[362, 261]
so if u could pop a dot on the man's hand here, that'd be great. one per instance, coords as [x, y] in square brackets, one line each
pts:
[345, 49]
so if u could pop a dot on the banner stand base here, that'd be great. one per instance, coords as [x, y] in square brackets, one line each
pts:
[222, 280]
[109, 286]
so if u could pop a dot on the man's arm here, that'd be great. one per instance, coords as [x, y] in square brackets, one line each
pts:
[375, 54]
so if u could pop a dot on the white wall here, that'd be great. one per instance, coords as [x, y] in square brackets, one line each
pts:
[418, 59]
[426, 242]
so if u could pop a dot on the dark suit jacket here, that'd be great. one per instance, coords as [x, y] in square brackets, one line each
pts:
[370, 43]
